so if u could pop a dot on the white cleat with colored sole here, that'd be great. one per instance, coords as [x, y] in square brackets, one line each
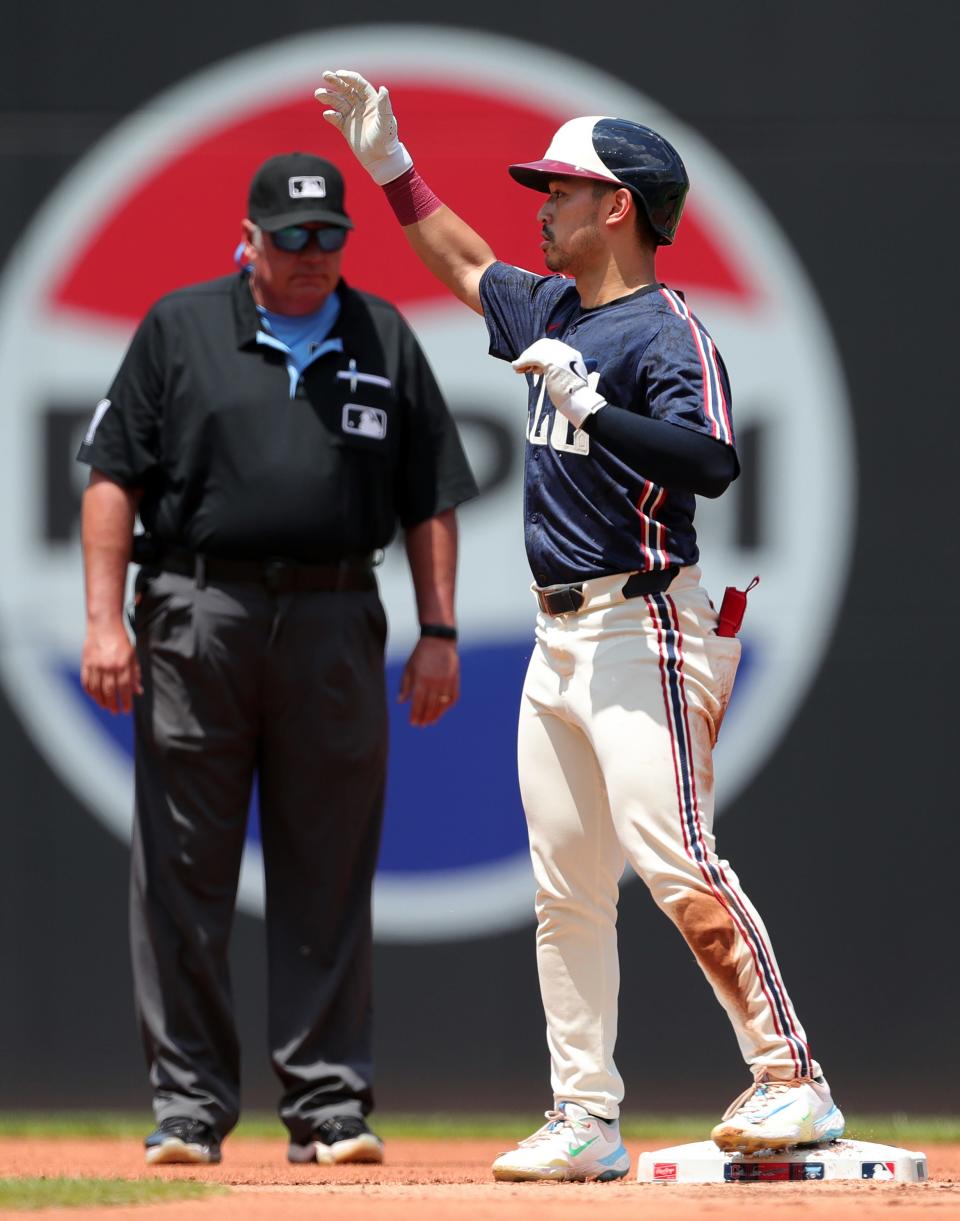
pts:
[572, 1145]
[780, 1115]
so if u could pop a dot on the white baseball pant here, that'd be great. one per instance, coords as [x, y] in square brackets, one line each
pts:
[619, 715]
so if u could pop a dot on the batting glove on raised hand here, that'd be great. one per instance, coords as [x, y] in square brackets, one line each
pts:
[365, 119]
[565, 374]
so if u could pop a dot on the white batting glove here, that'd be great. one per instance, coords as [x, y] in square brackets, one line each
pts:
[365, 119]
[563, 370]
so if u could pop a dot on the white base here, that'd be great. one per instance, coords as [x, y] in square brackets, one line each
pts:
[703, 1162]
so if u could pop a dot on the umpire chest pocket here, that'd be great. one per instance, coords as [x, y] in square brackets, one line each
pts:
[367, 426]
[359, 410]
[367, 419]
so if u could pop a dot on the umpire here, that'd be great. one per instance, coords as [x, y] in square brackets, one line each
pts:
[272, 429]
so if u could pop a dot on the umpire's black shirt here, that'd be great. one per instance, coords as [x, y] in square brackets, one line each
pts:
[201, 418]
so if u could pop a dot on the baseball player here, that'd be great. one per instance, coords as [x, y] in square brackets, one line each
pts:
[629, 418]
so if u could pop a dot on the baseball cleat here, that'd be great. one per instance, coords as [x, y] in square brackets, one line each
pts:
[573, 1145]
[778, 1115]
[344, 1138]
[179, 1140]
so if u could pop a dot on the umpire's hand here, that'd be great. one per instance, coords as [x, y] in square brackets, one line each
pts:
[109, 670]
[431, 680]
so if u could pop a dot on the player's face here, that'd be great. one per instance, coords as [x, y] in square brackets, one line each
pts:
[570, 226]
[291, 282]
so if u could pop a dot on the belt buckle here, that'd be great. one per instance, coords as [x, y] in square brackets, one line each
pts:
[561, 601]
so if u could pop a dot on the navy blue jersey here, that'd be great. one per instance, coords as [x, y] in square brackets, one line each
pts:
[586, 512]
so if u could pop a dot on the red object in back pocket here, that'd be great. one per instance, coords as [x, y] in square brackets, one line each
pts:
[733, 608]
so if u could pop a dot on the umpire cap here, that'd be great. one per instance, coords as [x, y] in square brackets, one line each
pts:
[295, 188]
[616, 151]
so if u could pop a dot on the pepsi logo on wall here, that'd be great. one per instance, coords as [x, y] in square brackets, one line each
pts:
[158, 203]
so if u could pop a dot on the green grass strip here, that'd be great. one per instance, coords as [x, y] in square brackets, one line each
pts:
[911, 1131]
[97, 1193]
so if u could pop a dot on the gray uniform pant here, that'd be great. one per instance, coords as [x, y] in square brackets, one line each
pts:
[239, 680]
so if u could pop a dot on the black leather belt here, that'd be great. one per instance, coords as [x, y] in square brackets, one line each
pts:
[279, 576]
[570, 598]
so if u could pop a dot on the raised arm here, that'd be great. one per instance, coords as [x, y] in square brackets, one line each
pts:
[448, 247]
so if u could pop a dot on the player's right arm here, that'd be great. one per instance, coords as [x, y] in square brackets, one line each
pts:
[446, 244]
[456, 254]
[109, 670]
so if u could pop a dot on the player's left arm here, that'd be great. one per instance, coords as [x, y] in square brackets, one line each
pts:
[668, 453]
[431, 677]
[671, 456]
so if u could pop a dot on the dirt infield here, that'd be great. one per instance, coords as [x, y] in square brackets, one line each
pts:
[450, 1181]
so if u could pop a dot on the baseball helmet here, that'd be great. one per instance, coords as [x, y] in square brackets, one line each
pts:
[621, 152]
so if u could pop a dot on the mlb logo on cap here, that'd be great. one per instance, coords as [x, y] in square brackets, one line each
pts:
[302, 187]
[295, 189]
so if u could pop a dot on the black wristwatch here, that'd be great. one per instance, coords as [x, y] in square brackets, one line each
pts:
[440, 630]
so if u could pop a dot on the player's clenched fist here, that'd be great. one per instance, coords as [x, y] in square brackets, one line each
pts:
[365, 118]
[561, 367]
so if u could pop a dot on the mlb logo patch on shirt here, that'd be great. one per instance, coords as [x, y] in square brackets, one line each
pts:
[307, 186]
[364, 421]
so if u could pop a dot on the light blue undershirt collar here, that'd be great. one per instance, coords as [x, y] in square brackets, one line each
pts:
[302, 339]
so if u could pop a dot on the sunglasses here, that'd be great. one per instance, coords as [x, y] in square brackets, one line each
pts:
[295, 238]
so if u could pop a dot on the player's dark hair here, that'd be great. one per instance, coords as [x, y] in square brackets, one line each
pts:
[645, 231]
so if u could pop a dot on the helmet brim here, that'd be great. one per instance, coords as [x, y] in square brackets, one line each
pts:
[537, 175]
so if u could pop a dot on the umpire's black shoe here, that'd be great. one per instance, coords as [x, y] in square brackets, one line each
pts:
[344, 1138]
[182, 1140]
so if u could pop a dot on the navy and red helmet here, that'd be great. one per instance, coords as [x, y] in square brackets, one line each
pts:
[617, 151]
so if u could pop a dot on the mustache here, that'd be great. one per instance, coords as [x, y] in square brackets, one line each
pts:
[547, 232]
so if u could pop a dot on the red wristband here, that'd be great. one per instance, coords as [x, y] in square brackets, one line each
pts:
[411, 198]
